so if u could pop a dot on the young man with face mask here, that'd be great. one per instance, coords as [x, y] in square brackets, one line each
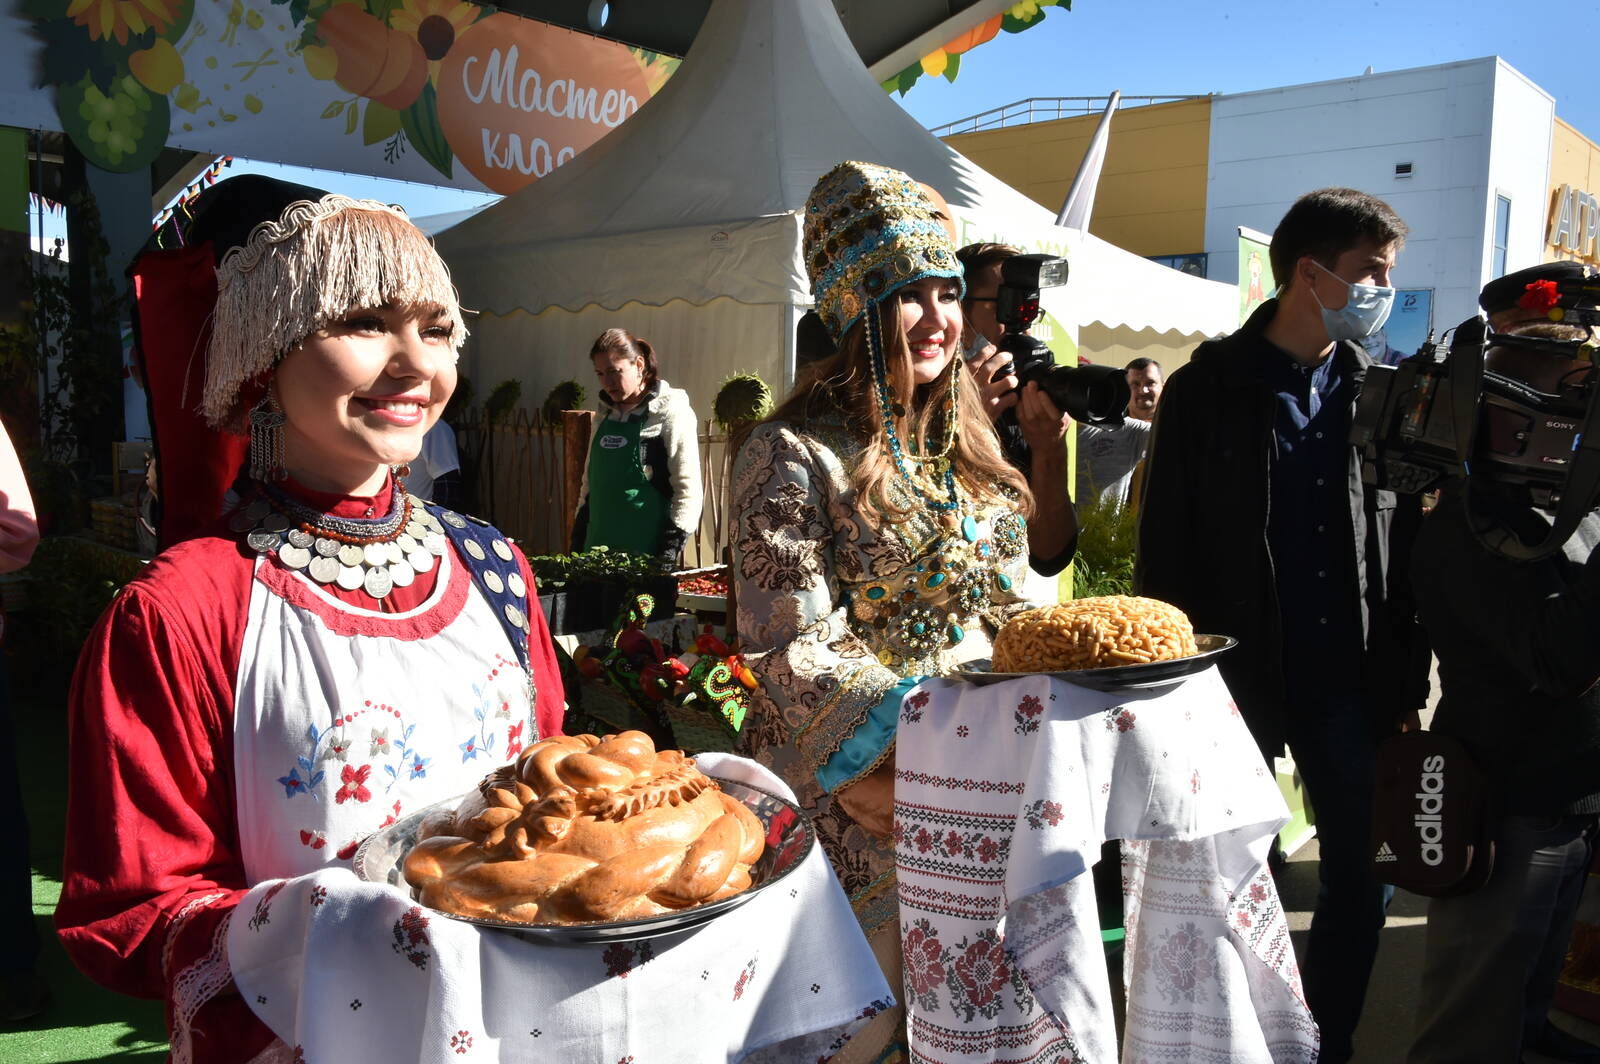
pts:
[1255, 521]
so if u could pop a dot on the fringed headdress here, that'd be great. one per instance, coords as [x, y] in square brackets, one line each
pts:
[302, 270]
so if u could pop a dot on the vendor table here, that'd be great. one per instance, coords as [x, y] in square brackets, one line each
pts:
[343, 970]
[1004, 795]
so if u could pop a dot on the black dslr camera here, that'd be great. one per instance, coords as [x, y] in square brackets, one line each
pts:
[1095, 394]
[1441, 414]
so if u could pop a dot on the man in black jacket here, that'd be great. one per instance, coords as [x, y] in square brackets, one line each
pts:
[1256, 522]
[1519, 660]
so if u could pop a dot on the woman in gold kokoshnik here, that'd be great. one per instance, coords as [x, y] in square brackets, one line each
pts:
[879, 537]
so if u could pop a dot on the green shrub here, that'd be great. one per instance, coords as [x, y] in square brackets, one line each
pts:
[742, 397]
[566, 395]
[1107, 539]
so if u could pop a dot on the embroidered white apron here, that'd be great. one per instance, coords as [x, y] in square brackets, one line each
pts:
[346, 719]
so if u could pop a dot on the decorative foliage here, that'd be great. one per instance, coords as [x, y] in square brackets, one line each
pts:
[118, 68]
[946, 61]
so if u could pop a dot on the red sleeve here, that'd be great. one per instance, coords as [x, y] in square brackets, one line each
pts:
[150, 810]
[551, 710]
[151, 866]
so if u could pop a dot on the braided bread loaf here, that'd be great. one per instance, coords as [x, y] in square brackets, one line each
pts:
[581, 828]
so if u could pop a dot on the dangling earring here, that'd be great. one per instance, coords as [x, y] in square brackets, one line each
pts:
[401, 471]
[266, 440]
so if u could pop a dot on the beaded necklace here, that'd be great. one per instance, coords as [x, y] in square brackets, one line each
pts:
[941, 460]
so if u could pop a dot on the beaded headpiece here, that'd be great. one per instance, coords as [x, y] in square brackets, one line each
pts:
[299, 270]
[869, 231]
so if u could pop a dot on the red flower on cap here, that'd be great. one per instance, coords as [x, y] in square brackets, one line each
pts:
[1540, 296]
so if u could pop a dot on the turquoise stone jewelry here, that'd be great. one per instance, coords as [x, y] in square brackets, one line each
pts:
[880, 375]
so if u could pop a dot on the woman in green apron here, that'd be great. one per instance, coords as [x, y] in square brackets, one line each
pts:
[642, 491]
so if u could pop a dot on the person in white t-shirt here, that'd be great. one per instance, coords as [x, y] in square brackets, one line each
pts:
[1108, 454]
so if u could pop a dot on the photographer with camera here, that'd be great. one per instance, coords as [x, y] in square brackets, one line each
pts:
[1515, 634]
[1024, 392]
[1256, 523]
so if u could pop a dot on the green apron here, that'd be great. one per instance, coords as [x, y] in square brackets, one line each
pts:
[626, 512]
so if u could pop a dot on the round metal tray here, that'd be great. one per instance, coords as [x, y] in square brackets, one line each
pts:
[1120, 677]
[789, 839]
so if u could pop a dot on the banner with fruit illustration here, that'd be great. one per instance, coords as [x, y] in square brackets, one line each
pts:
[439, 91]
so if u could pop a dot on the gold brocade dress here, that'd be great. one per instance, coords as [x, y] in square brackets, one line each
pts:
[834, 613]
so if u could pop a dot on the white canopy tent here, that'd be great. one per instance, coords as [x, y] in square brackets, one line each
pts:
[683, 225]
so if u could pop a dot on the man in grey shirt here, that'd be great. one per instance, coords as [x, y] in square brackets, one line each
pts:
[1107, 455]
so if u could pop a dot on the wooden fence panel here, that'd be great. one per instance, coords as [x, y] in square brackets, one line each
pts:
[527, 474]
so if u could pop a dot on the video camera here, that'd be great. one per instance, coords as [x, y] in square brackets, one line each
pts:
[1094, 394]
[1441, 414]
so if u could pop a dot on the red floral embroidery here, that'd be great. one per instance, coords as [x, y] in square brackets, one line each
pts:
[953, 844]
[411, 935]
[1121, 719]
[1043, 812]
[264, 907]
[1181, 963]
[982, 971]
[348, 850]
[988, 850]
[918, 700]
[1540, 295]
[622, 958]
[355, 784]
[922, 951]
[514, 739]
[319, 894]
[314, 839]
[744, 979]
[1027, 715]
[461, 1041]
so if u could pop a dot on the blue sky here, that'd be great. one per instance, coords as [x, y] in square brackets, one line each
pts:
[1164, 47]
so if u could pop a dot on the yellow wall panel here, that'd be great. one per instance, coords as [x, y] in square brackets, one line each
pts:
[1574, 161]
[1152, 194]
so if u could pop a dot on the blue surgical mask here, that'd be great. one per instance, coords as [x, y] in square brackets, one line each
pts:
[1363, 313]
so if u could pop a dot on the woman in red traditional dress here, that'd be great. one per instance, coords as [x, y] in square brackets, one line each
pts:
[331, 653]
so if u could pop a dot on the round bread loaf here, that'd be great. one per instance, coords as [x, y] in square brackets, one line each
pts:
[580, 829]
[1093, 633]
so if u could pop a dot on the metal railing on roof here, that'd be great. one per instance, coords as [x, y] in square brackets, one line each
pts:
[1044, 109]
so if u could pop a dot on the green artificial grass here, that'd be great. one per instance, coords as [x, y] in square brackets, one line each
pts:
[82, 1021]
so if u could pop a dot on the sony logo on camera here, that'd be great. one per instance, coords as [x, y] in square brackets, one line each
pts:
[1430, 801]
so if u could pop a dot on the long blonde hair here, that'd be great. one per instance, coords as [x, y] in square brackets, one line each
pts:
[842, 387]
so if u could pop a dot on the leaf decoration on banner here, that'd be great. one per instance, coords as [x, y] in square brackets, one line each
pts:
[946, 61]
[351, 116]
[421, 124]
[379, 123]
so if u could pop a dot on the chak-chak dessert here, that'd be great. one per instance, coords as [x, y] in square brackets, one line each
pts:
[581, 829]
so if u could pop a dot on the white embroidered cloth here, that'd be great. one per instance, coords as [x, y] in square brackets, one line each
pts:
[1003, 797]
[343, 970]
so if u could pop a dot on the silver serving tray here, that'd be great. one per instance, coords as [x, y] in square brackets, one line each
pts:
[789, 839]
[1118, 677]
